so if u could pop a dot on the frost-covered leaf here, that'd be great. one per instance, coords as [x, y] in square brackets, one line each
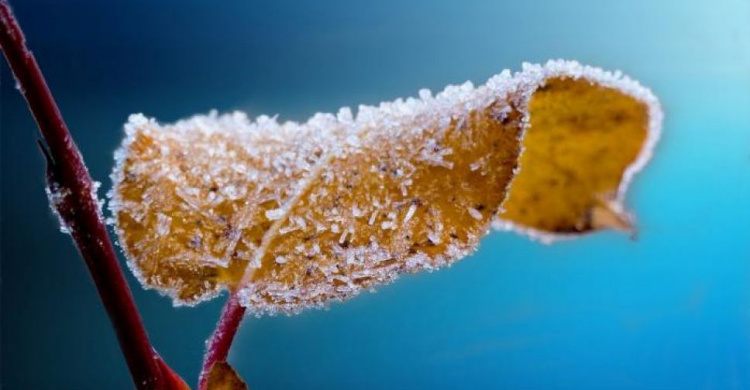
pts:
[296, 215]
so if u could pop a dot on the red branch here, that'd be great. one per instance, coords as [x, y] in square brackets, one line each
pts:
[74, 199]
[217, 347]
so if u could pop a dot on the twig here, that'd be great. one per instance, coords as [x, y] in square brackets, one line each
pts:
[72, 195]
[217, 347]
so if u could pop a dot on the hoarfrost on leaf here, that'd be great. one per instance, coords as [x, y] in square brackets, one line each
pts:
[476, 214]
[299, 215]
[163, 223]
[281, 259]
[274, 214]
[410, 212]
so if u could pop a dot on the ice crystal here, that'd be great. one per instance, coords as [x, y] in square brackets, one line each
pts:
[56, 196]
[475, 213]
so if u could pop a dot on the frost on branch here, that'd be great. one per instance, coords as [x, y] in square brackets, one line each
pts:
[56, 195]
[296, 215]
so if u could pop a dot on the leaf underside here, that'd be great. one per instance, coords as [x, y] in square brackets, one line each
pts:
[580, 140]
[298, 215]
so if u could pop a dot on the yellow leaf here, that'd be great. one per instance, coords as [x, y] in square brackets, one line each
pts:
[583, 144]
[296, 215]
[223, 377]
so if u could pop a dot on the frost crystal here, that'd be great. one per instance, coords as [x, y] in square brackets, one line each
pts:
[410, 213]
[475, 213]
[163, 223]
[56, 196]
[274, 214]
[281, 259]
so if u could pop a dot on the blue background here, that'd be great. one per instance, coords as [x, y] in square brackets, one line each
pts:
[670, 310]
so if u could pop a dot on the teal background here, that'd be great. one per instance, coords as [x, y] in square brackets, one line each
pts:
[670, 310]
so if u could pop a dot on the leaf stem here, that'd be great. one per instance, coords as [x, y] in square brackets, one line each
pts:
[73, 197]
[217, 347]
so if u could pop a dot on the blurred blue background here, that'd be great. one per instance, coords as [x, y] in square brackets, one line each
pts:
[670, 310]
